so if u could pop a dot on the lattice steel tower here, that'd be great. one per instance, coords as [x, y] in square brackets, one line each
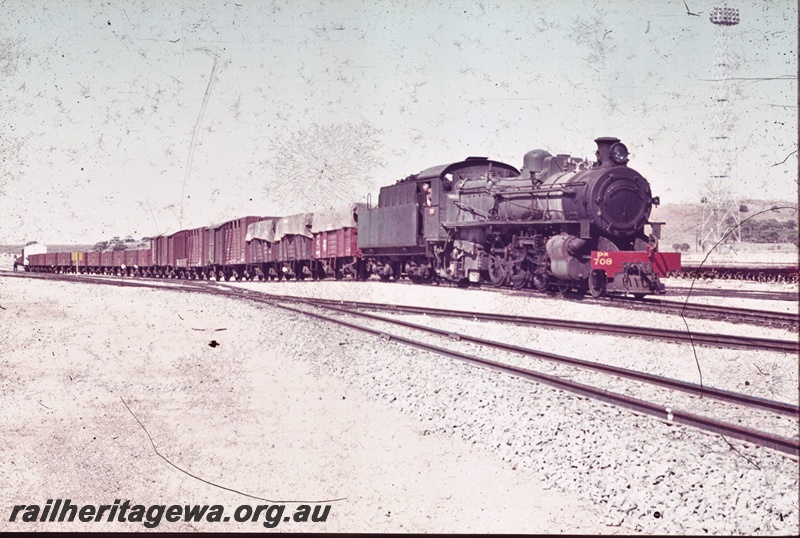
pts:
[720, 201]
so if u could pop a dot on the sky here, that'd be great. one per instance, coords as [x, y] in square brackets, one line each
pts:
[146, 117]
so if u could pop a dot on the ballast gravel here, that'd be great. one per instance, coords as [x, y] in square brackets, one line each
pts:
[649, 475]
[278, 381]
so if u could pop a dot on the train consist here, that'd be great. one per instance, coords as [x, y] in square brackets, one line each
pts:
[560, 222]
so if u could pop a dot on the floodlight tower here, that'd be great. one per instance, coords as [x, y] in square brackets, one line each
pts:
[720, 204]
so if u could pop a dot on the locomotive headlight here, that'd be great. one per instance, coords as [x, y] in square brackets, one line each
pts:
[619, 153]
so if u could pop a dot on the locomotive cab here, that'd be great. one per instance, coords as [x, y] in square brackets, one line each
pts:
[405, 231]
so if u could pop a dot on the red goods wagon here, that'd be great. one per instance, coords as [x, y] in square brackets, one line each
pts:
[235, 232]
[335, 232]
[63, 259]
[271, 252]
[219, 244]
[50, 259]
[196, 245]
[160, 252]
[295, 248]
[93, 259]
[118, 258]
[255, 251]
[143, 258]
[107, 258]
[260, 251]
[294, 239]
[210, 242]
[37, 259]
[260, 238]
[130, 258]
[336, 244]
[176, 246]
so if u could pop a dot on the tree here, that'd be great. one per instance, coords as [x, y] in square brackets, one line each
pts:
[323, 167]
[676, 246]
[119, 246]
[685, 247]
[100, 246]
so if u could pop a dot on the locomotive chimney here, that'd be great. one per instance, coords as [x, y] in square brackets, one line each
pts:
[603, 154]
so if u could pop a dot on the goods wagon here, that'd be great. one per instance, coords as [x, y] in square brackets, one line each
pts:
[335, 242]
[160, 254]
[143, 257]
[107, 260]
[36, 262]
[259, 240]
[210, 249]
[295, 244]
[93, 261]
[231, 257]
[117, 258]
[131, 262]
[63, 262]
[235, 244]
[196, 245]
[176, 251]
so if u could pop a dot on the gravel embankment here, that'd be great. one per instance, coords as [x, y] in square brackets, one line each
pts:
[633, 466]
[633, 471]
[640, 352]
[247, 413]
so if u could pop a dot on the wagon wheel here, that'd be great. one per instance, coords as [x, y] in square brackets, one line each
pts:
[597, 283]
[427, 274]
[540, 281]
[563, 286]
[386, 273]
[519, 277]
[497, 271]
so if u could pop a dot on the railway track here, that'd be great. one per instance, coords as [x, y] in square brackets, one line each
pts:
[707, 339]
[761, 438]
[725, 313]
[714, 312]
[762, 295]
[784, 273]
[727, 429]
[697, 338]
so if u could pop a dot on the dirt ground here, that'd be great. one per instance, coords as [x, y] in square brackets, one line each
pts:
[85, 369]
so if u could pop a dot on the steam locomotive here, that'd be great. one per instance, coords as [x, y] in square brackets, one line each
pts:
[560, 222]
